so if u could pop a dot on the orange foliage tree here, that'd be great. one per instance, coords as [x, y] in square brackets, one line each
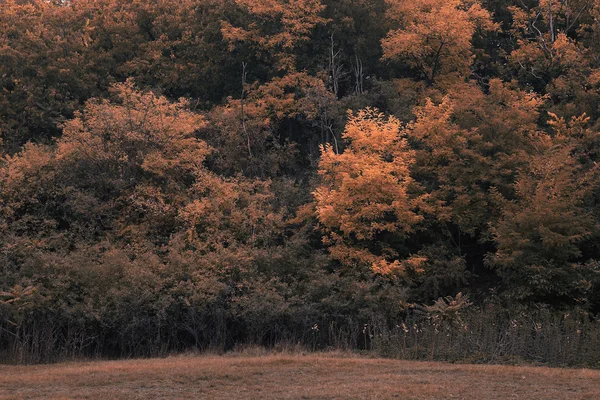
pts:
[470, 143]
[120, 167]
[434, 36]
[250, 135]
[364, 203]
[131, 170]
[276, 27]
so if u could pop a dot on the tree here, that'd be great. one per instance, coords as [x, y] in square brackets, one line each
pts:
[364, 203]
[57, 55]
[273, 129]
[470, 143]
[39, 83]
[541, 232]
[120, 225]
[120, 168]
[551, 54]
[435, 37]
[276, 27]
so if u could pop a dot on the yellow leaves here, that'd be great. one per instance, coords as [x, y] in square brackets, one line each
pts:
[304, 213]
[520, 17]
[577, 128]
[298, 18]
[348, 255]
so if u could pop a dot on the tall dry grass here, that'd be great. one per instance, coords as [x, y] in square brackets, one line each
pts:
[494, 336]
[475, 335]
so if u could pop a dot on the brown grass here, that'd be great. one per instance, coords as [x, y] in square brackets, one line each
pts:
[285, 376]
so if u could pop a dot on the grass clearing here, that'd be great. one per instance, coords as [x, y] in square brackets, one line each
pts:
[292, 376]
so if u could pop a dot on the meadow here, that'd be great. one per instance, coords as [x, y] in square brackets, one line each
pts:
[292, 376]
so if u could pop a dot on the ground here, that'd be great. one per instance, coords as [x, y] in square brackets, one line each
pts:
[285, 376]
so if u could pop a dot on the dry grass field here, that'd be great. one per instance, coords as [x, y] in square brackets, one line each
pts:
[324, 376]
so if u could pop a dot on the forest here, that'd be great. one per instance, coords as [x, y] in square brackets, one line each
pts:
[363, 174]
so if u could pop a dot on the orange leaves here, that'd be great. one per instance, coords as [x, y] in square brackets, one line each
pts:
[364, 192]
[471, 143]
[123, 167]
[131, 171]
[399, 268]
[298, 17]
[435, 36]
[294, 96]
[142, 129]
[370, 133]
[20, 175]
[230, 214]
[594, 78]
[554, 40]
[17, 294]
[276, 26]
[285, 97]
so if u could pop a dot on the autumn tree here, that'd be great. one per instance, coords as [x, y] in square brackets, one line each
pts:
[541, 232]
[132, 222]
[275, 128]
[470, 143]
[121, 168]
[132, 171]
[433, 37]
[183, 52]
[554, 40]
[348, 45]
[468, 148]
[57, 55]
[111, 188]
[38, 83]
[364, 203]
[275, 27]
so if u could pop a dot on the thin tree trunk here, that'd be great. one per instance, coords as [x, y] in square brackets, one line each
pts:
[551, 22]
[244, 73]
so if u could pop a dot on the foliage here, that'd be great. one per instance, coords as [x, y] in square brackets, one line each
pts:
[276, 27]
[435, 37]
[365, 196]
[213, 172]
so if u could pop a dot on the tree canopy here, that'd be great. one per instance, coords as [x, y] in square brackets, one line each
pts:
[249, 167]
